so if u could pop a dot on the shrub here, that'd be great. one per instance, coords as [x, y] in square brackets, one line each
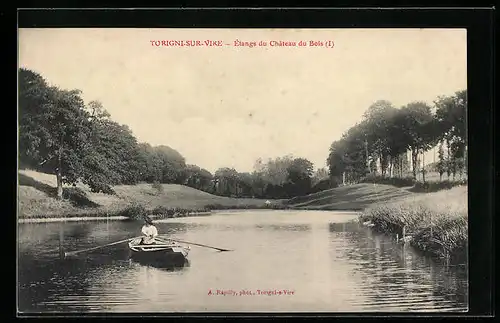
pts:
[134, 212]
[163, 212]
[323, 185]
[434, 186]
[104, 188]
[395, 181]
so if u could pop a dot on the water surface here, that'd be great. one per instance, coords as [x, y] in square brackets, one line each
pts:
[319, 261]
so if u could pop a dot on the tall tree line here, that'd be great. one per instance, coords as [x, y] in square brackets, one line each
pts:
[60, 134]
[281, 177]
[380, 142]
[77, 142]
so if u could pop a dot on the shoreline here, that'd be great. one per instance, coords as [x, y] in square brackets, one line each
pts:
[83, 218]
[99, 218]
[419, 238]
[70, 219]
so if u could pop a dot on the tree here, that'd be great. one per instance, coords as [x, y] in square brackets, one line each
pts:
[118, 146]
[34, 95]
[385, 135]
[245, 182]
[53, 128]
[173, 164]
[451, 115]
[276, 170]
[300, 172]
[197, 177]
[418, 129]
[227, 181]
[319, 175]
[161, 163]
[114, 151]
[397, 141]
[348, 161]
[259, 183]
[441, 164]
[335, 161]
[355, 158]
[377, 128]
[151, 164]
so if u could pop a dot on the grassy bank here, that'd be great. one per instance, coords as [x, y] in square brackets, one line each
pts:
[436, 223]
[37, 199]
[351, 197]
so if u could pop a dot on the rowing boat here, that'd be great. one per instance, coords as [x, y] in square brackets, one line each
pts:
[160, 252]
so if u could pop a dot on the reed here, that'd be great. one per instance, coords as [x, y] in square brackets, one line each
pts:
[436, 223]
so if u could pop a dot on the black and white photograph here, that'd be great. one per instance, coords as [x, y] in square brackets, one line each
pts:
[278, 170]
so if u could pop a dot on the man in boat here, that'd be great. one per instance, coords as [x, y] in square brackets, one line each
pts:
[149, 231]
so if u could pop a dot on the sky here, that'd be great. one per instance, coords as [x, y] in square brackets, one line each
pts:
[226, 106]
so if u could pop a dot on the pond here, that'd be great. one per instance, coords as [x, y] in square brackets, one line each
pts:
[282, 261]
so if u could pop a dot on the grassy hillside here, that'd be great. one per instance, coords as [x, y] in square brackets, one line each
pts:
[37, 193]
[351, 197]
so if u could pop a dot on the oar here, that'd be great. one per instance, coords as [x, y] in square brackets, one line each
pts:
[52, 250]
[71, 253]
[199, 244]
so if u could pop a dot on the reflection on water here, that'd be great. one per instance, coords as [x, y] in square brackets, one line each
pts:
[396, 277]
[329, 261]
[178, 265]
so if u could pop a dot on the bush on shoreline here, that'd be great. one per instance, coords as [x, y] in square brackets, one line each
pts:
[272, 206]
[163, 212]
[133, 212]
[137, 211]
